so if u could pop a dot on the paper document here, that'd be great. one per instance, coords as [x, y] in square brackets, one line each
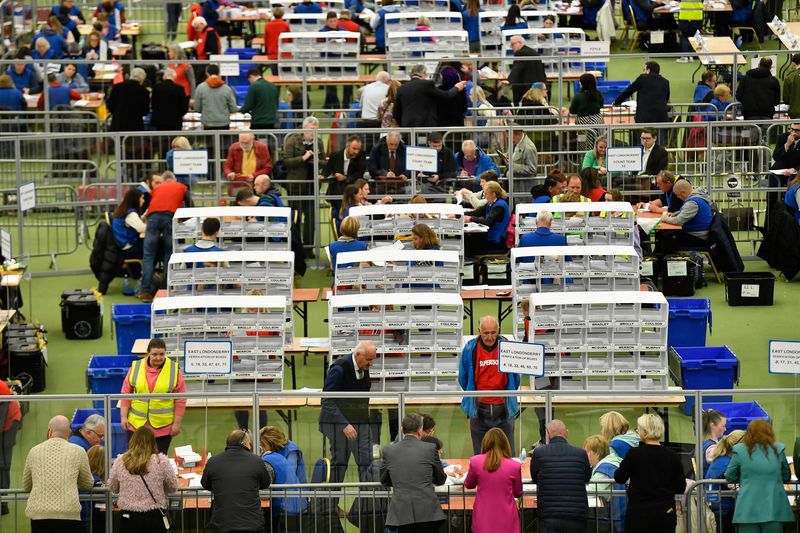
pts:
[473, 227]
[314, 341]
[648, 224]
[783, 171]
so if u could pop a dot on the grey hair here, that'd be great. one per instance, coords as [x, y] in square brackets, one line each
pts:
[138, 74]
[469, 143]
[93, 422]
[412, 423]
[393, 135]
[544, 217]
[418, 71]
[169, 74]
[310, 121]
[41, 40]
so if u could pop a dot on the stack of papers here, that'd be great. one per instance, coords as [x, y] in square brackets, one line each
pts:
[189, 456]
[194, 479]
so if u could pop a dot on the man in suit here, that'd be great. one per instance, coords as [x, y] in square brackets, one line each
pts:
[652, 94]
[129, 102]
[437, 182]
[387, 165]
[416, 100]
[654, 157]
[786, 155]
[561, 473]
[345, 421]
[343, 168]
[524, 73]
[413, 467]
[542, 236]
[169, 104]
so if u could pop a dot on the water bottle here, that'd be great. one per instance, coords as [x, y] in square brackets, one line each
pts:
[127, 290]
[523, 455]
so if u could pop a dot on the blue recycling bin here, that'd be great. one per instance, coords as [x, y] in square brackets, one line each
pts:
[689, 318]
[705, 367]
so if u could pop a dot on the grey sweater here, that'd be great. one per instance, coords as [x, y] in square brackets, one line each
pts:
[215, 102]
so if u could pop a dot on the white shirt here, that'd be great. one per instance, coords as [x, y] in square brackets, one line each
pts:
[371, 97]
[359, 372]
[646, 155]
[346, 165]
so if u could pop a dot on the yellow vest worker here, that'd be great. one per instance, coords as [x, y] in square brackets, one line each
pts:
[690, 10]
[154, 374]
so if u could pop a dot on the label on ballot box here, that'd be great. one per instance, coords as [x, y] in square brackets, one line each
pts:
[207, 357]
[624, 158]
[784, 357]
[521, 357]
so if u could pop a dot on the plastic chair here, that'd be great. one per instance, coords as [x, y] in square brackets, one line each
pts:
[635, 27]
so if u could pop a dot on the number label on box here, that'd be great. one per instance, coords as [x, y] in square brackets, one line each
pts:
[676, 268]
[750, 291]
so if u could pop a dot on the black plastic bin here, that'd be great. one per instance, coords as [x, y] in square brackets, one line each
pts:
[28, 359]
[749, 288]
[81, 315]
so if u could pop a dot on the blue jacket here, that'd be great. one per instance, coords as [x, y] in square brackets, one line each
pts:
[284, 475]
[59, 96]
[12, 99]
[716, 470]
[707, 443]
[561, 473]
[702, 220]
[498, 231]
[115, 18]
[337, 247]
[295, 458]
[77, 438]
[210, 12]
[791, 201]
[123, 234]
[305, 9]
[380, 29]
[466, 378]
[619, 503]
[743, 13]
[701, 90]
[194, 248]
[542, 237]
[27, 80]
[485, 162]
[471, 26]
[58, 46]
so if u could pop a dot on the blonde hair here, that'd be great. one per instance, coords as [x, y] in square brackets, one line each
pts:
[722, 90]
[429, 238]
[272, 439]
[350, 227]
[496, 447]
[141, 446]
[650, 426]
[598, 444]
[97, 463]
[181, 143]
[612, 424]
[496, 188]
[726, 444]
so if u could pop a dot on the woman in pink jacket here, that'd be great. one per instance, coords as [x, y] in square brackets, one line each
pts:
[499, 481]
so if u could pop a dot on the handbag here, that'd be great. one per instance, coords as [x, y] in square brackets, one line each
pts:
[164, 516]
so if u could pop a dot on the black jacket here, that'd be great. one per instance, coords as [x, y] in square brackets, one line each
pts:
[342, 378]
[652, 95]
[379, 160]
[561, 473]
[446, 170]
[759, 92]
[524, 73]
[169, 105]
[106, 257]
[417, 101]
[722, 246]
[128, 103]
[781, 245]
[234, 477]
[356, 170]
[451, 111]
[785, 158]
[658, 160]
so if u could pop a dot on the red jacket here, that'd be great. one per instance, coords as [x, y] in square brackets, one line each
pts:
[167, 197]
[233, 163]
[272, 31]
[208, 43]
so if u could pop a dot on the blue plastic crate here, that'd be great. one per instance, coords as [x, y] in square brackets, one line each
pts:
[131, 322]
[105, 374]
[609, 88]
[738, 414]
[119, 439]
[701, 367]
[688, 320]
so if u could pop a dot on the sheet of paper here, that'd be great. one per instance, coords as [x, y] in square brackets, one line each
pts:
[314, 341]
[782, 171]
[648, 224]
[181, 451]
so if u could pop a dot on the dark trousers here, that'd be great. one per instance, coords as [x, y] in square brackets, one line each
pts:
[561, 525]
[150, 521]
[173, 17]
[680, 240]
[490, 416]
[342, 448]
[376, 424]
[161, 442]
[478, 244]
[220, 128]
[159, 230]
[420, 527]
[243, 418]
[51, 526]
[688, 29]
[254, 127]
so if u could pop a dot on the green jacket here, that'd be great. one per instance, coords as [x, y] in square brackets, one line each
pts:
[791, 92]
[762, 497]
[294, 148]
[262, 103]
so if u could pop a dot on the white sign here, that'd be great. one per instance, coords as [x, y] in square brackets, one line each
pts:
[784, 357]
[228, 64]
[624, 158]
[755, 60]
[646, 268]
[597, 50]
[207, 357]
[750, 291]
[186, 162]
[5, 244]
[676, 268]
[657, 37]
[422, 159]
[27, 196]
[521, 358]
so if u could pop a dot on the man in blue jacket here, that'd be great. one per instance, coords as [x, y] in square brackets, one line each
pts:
[478, 369]
[543, 236]
[471, 162]
[695, 218]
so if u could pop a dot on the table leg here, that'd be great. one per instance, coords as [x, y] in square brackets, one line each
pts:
[286, 417]
[700, 64]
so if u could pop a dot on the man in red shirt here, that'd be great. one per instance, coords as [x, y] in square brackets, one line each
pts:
[272, 31]
[479, 369]
[166, 198]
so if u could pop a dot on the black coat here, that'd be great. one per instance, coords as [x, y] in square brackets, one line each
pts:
[106, 258]
[450, 112]
[417, 102]
[781, 245]
[379, 160]
[722, 246]
[525, 73]
[128, 103]
[658, 160]
[785, 158]
[234, 477]
[446, 170]
[356, 170]
[170, 103]
[561, 473]
[652, 95]
[759, 92]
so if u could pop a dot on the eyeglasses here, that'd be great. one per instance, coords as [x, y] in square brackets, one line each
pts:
[100, 435]
[646, 138]
[795, 130]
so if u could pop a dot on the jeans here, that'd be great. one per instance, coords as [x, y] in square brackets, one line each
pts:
[173, 16]
[159, 227]
[342, 448]
[490, 416]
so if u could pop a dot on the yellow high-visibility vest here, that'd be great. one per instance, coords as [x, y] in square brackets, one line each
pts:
[690, 10]
[159, 412]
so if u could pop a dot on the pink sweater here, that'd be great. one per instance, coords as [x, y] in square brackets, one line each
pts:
[133, 495]
[152, 376]
[495, 509]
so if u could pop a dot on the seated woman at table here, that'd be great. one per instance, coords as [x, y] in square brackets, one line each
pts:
[596, 157]
[127, 224]
[498, 478]
[423, 238]
[348, 240]
[495, 214]
[25, 77]
[43, 50]
[72, 79]
[53, 33]
[11, 98]
[56, 94]
[275, 440]
[721, 100]
[534, 110]
[591, 187]
[604, 464]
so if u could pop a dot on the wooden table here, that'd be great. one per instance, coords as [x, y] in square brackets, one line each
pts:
[661, 225]
[502, 296]
[789, 39]
[303, 296]
[717, 45]
[32, 100]
[469, 296]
